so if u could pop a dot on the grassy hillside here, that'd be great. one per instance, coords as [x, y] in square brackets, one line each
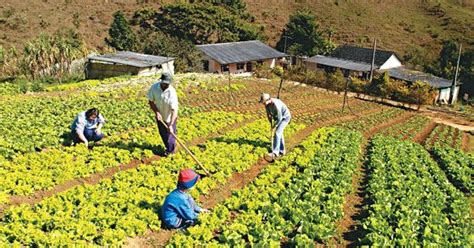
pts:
[400, 26]
[397, 25]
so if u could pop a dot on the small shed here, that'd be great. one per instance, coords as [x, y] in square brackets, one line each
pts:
[124, 62]
[444, 86]
[239, 57]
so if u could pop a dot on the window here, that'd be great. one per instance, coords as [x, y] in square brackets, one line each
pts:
[224, 68]
[249, 66]
[240, 66]
[205, 65]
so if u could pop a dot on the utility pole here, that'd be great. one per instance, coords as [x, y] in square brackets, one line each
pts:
[373, 62]
[453, 88]
[281, 84]
[284, 47]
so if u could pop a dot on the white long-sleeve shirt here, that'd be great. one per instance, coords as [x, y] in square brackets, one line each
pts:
[277, 110]
[165, 101]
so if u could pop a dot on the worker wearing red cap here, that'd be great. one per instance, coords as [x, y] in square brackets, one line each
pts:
[179, 209]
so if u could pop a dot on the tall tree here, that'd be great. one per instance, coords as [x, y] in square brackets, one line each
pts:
[187, 56]
[302, 36]
[204, 22]
[121, 36]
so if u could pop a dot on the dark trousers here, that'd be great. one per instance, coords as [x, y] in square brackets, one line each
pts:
[90, 135]
[168, 139]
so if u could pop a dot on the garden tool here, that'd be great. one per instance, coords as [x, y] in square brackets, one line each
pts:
[187, 150]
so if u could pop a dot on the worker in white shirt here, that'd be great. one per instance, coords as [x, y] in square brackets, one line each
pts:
[279, 117]
[163, 100]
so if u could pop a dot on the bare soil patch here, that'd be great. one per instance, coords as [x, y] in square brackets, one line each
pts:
[421, 137]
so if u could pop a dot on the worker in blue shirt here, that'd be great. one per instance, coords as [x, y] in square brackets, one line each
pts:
[179, 209]
[87, 126]
[279, 117]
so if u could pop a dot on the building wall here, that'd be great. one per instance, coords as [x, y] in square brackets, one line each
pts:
[311, 66]
[215, 67]
[98, 70]
[392, 62]
[445, 94]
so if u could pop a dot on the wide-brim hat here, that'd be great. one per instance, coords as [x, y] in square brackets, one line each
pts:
[166, 78]
[187, 179]
[264, 97]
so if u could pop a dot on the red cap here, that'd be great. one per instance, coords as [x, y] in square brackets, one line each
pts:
[187, 178]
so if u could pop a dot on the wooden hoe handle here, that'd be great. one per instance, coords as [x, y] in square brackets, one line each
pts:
[187, 150]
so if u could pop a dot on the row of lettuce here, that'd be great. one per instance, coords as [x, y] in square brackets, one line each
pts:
[296, 201]
[31, 172]
[26, 173]
[412, 201]
[127, 204]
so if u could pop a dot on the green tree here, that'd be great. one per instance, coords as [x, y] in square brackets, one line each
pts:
[121, 36]
[448, 59]
[187, 56]
[204, 22]
[237, 7]
[336, 81]
[303, 36]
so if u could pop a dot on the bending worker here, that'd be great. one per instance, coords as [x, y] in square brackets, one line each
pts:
[87, 126]
[279, 116]
[179, 209]
[163, 100]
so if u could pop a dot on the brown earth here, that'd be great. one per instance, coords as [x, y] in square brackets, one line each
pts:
[400, 27]
[424, 133]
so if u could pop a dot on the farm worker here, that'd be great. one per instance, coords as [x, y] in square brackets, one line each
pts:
[179, 209]
[279, 116]
[163, 100]
[87, 126]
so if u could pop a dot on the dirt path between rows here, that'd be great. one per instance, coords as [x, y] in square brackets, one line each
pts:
[108, 173]
[238, 180]
[421, 136]
[349, 227]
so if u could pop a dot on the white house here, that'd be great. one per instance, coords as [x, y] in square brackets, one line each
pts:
[238, 57]
[355, 61]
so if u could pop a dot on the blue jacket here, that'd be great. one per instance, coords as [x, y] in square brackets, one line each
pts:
[179, 206]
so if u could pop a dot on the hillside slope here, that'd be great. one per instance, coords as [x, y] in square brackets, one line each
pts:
[401, 26]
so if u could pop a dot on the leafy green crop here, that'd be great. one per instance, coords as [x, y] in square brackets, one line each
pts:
[127, 204]
[299, 197]
[413, 203]
[31, 172]
[458, 165]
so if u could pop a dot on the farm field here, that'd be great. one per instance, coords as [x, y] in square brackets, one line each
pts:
[373, 175]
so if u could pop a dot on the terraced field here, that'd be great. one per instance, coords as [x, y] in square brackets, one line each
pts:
[348, 177]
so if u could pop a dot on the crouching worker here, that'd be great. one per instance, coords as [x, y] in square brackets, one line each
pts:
[179, 209]
[87, 127]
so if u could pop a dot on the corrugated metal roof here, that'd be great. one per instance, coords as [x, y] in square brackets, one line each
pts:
[362, 55]
[132, 59]
[340, 63]
[242, 51]
[412, 76]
